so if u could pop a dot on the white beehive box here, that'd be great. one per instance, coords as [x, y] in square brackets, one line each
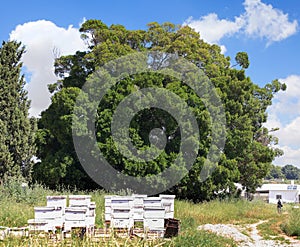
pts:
[107, 201]
[76, 217]
[121, 202]
[121, 213]
[91, 209]
[90, 221]
[154, 224]
[3, 232]
[138, 213]
[151, 212]
[107, 205]
[138, 200]
[75, 213]
[79, 200]
[91, 214]
[167, 202]
[45, 225]
[108, 210]
[107, 217]
[57, 201]
[47, 212]
[55, 223]
[169, 215]
[152, 201]
[39, 225]
[69, 224]
[122, 223]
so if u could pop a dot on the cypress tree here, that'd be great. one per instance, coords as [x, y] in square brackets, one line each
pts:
[17, 129]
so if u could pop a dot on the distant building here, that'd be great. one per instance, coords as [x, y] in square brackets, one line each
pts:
[288, 193]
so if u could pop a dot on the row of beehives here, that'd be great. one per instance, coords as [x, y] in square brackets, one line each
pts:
[124, 211]
[56, 215]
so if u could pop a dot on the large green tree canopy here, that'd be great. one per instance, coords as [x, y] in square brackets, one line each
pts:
[246, 156]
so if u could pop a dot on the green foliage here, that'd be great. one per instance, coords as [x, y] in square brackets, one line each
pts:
[292, 225]
[59, 165]
[18, 191]
[223, 212]
[270, 228]
[201, 239]
[17, 129]
[242, 59]
[247, 155]
[275, 173]
[291, 172]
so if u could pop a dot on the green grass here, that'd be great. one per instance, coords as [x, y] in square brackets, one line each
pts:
[76, 242]
[291, 226]
[196, 238]
[187, 238]
[215, 212]
[17, 206]
[270, 228]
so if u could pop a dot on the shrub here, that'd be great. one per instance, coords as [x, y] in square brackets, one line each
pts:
[292, 225]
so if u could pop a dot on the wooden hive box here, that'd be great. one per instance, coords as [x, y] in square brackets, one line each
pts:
[36, 225]
[57, 201]
[151, 212]
[47, 212]
[122, 223]
[167, 202]
[152, 201]
[75, 213]
[121, 213]
[121, 202]
[79, 200]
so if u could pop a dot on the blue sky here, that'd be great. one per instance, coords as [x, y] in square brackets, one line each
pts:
[268, 30]
[275, 61]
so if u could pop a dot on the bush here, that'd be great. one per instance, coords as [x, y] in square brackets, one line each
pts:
[14, 189]
[292, 225]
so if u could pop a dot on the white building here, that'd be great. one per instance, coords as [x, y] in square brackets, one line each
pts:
[288, 193]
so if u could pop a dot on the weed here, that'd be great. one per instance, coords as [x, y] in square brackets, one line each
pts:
[17, 206]
[291, 226]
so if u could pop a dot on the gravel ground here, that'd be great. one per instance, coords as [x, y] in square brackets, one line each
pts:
[252, 239]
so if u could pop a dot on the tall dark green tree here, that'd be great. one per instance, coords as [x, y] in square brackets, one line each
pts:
[17, 141]
[291, 172]
[275, 173]
[248, 152]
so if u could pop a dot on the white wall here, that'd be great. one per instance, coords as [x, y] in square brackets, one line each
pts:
[286, 195]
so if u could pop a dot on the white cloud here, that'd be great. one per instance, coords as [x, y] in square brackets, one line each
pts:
[286, 104]
[289, 134]
[259, 20]
[212, 29]
[290, 157]
[44, 41]
[264, 21]
[284, 113]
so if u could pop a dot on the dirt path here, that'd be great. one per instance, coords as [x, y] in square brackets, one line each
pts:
[247, 235]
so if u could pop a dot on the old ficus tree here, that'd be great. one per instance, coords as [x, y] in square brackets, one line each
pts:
[248, 152]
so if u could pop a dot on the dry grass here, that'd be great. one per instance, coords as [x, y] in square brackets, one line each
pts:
[16, 209]
[215, 212]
